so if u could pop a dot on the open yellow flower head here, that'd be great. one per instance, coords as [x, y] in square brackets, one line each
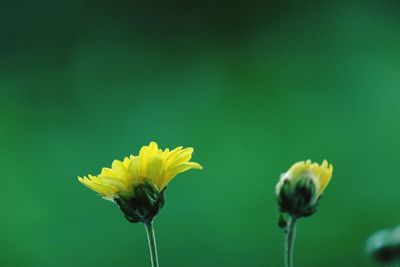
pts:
[145, 175]
[300, 188]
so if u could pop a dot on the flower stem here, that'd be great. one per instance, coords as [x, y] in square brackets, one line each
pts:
[151, 237]
[290, 235]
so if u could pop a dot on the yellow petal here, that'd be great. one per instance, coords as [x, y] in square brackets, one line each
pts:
[179, 169]
[108, 172]
[127, 161]
[166, 154]
[134, 167]
[146, 154]
[171, 155]
[179, 157]
[120, 170]
[298, 169]
[325, 176]
[155, 169]
[320, 173]
[104, 190]
[120, 185]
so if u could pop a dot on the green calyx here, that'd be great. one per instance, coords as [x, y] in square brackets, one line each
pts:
[298, 198]
[144, 205]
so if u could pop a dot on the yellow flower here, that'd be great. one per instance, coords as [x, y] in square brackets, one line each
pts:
[300, 188]
[142, 176]
[152, 164]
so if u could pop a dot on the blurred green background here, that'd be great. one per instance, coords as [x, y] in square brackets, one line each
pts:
[252, 86]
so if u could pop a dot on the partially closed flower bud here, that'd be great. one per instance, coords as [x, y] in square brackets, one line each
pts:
[384, 245]
[299, 189]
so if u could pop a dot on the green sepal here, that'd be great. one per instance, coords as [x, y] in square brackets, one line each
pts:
[299, 199]
[282, 221]
[143, 205]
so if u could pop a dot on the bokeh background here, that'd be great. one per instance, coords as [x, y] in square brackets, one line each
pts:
[252, 86]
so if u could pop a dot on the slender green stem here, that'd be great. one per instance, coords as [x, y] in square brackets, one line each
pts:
[290, 235]
[151, 237]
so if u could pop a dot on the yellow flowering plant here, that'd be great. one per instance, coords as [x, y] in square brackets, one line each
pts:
[137, 183]
[298, 193]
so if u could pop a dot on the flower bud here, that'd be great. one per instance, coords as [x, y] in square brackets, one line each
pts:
[298, 198]
[384, 245]
[299, 189]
